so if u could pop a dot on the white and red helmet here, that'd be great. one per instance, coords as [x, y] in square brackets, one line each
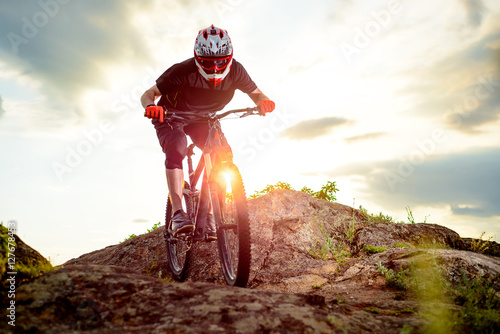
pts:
[213, 54]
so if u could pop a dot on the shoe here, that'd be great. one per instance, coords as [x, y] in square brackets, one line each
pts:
[211, 231]
[181, 223]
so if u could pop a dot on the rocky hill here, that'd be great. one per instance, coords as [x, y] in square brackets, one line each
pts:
[318, 267]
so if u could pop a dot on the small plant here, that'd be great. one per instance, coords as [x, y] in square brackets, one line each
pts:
[339, 324]
[31, 269]
[430, 286]
[374, 249]
[407, 329]
[478, 302]
[401, 244]
[166, 279]
[319, 251]
[431, 244]
[341, 300]
[327, 191]
[347, 236]
[340, 253]
[371, 218]
[130, 237]
[373, 310]
[411, 219]
[398, 280]
[328, 249]
[351, 231]
[154, 227]
[269, 188]
[27, 268]
[407, 310]
[322, 250]
[480, 306]
[154, 266]
[480, 245]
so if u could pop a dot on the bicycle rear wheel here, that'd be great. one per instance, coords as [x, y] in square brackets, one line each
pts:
[179, 248]
[233, 230]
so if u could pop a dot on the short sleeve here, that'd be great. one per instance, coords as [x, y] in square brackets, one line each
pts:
[242, 80]
[166, 82]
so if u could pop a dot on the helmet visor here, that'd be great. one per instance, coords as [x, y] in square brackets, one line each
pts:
[214, 65]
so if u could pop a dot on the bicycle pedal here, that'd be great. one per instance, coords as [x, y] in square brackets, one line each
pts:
[182, 235]
[210, 238]
[185, 234]
[184, 230]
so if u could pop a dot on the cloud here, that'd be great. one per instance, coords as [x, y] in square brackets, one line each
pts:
[466, 182]
[462, 90]
[476, 11]
[314, 128]
[140, 220]
[2, 111]
[66, 47]
[367, 136]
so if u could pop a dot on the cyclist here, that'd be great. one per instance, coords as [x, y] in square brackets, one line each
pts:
[203, 83]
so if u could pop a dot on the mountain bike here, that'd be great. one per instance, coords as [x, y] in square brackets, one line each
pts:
[222, 190]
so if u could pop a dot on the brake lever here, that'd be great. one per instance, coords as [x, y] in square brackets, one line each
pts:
[249, 113]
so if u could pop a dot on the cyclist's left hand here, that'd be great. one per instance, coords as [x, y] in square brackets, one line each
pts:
[266, 106]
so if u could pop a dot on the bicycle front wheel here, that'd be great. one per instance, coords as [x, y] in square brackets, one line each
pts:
[233, 230]
[179, 248]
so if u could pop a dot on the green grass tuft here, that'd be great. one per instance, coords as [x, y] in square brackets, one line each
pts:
[480, 245]
[374, 249]
[399, 280]
[371, 218]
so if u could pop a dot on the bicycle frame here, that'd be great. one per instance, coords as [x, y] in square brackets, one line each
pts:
[205, 165]
[215, 150]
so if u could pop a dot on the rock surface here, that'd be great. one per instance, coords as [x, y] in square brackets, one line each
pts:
[296, 285]
[110, 299]
[286, 227]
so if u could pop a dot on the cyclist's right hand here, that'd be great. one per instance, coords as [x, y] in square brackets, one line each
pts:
[154, 112]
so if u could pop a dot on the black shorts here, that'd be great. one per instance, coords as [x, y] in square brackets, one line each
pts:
[173, 140]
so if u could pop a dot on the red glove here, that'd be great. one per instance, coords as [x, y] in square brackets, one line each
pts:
[266, 106]
[154, 112]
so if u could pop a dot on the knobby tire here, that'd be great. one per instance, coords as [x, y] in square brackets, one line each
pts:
[233, 228]
[178, 249]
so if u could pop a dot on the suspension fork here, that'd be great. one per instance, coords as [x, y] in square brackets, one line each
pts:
[190, 153]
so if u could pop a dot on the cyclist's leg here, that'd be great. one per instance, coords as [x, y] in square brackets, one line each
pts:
[175, 180]
[198, 132]
[174, 144]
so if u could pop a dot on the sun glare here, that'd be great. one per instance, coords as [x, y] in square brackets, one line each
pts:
[227, 177]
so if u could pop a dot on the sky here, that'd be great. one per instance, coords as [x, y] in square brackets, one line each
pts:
[396, 101]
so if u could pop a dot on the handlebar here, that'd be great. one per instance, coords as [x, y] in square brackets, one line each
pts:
[189, 115]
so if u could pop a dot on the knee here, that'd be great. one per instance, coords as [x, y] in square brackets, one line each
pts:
[174, 157]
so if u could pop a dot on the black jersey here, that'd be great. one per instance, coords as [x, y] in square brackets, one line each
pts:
[183, 88]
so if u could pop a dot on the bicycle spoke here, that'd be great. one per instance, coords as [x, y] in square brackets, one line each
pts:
[233, 230]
